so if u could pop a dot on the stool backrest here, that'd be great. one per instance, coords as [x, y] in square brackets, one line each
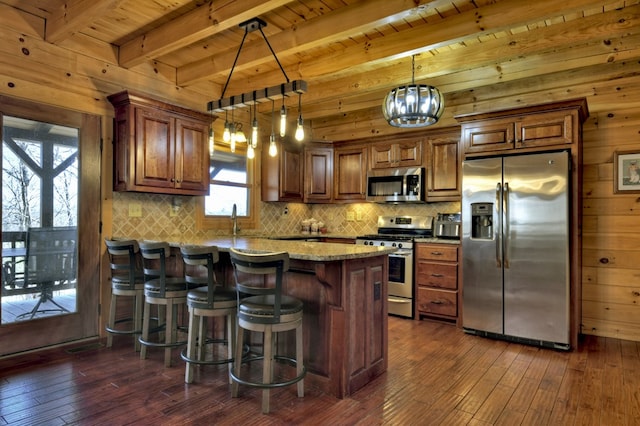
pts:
[124, 260]
[246, 265]
[201, 258]
[154, 262]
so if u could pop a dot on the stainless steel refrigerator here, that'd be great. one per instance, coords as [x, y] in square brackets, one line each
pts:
[515, 248]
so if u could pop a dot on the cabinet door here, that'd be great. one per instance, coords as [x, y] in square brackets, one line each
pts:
[552, 128]
[488, 135]
[350, 166]
[443, 169]
[291, 175]
[366, 327]
[381, 156]
[282, 174]
[404, 153]
[155, 149]
[409, 153]
[318, 175]
[192, 155]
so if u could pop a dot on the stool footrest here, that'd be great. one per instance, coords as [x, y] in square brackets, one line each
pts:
[162, 345]
[291, 361]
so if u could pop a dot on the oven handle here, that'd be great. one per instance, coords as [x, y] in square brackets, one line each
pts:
[401, 253]
[398, 300]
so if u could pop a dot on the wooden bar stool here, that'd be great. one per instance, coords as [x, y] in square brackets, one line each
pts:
[210, 300]
[127, 280]
[268, 311]
[162, 290]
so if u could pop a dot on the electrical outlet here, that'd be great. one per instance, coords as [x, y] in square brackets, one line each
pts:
[135, 210]
[359, 216]
[173, 211]
[285, 213]
[351, 216]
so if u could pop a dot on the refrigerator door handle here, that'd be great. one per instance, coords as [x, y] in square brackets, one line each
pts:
[498, 235]
[505, 215]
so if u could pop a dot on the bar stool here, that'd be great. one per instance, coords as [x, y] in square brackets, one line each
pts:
[127, 280]
[163, 291]
[210, 300]
[269, 311]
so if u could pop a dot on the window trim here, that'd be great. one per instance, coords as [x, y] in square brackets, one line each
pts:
[251, 221]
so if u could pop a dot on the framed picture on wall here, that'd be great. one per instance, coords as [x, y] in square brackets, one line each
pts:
[626, 169]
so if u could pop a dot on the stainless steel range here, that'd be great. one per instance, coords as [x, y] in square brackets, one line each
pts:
[400, 231]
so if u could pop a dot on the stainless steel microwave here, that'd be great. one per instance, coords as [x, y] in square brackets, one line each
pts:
[401, 185]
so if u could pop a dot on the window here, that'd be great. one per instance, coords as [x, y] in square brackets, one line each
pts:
[231, 182]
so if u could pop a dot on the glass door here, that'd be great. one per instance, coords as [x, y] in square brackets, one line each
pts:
[50, 283]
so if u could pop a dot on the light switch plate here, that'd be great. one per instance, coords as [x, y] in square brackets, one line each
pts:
[351, 216]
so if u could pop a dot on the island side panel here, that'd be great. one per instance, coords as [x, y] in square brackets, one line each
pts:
[366, 320]
[345, 320]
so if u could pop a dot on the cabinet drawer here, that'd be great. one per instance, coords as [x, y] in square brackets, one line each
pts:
[440, 252]
[437, 275]
[441, 302]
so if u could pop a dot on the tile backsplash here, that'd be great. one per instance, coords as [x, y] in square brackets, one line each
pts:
[158, 222]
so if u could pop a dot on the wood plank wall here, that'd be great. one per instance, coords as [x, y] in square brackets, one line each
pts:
[36, 70]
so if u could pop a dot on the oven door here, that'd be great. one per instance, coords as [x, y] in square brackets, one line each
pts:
[401, 283]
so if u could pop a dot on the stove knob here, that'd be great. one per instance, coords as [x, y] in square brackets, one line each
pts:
[393, 244]
[399, 245]
[382, 244]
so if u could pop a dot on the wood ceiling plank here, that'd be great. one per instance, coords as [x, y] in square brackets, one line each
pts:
[561, 47]
[75, 15]
[193, 26]
[494, 17]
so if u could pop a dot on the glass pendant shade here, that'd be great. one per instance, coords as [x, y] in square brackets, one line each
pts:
[226, 135]
[299, 135]
[413, 105]
[273, 149]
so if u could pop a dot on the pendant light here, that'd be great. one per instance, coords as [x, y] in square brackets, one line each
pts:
[233, 131]
[253, 140]
[414, 105]
[273, 149]
[299, 135]
[283, 118]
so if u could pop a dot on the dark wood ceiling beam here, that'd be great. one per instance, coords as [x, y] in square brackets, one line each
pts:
[75, 15]
[191, 27]
[329, 28]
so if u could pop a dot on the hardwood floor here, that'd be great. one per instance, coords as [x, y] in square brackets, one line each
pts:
[437, 375]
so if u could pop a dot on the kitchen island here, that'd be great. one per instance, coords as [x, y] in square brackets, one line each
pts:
[344, 291]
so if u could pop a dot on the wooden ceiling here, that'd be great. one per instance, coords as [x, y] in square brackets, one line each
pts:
[350, 52]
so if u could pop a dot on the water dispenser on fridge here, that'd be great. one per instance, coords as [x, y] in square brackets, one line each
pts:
[482, 221]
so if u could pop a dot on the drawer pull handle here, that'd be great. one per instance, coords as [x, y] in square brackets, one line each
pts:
[436, 302]
[436, 253]
[437, 275]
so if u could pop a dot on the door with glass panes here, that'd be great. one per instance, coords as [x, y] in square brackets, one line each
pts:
[50, 226]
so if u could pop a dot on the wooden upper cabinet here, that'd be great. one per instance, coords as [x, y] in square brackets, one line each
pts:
[443, 167]
[318, 174]
[523, 128]
[403, 153]
[158, 147]
[350, 172]
[282, 174]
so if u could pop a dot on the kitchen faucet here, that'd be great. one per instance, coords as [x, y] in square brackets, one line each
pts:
[234, 218]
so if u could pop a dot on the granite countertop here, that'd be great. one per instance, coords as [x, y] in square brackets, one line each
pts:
[297, 249]
[434, 240]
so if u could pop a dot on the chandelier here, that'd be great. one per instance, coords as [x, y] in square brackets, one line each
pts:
[414, 105]
[232, 129]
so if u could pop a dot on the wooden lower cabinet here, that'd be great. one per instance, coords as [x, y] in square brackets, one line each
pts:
[437, 271]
